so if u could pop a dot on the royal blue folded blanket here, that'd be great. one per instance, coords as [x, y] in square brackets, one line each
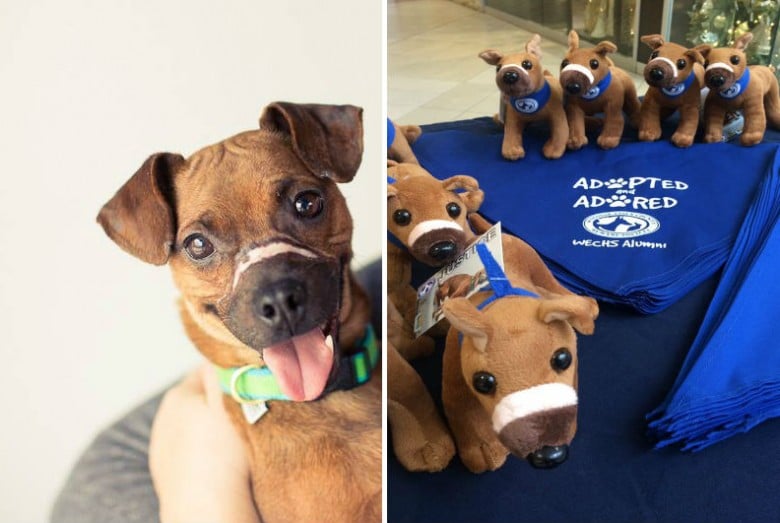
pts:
[640, 225]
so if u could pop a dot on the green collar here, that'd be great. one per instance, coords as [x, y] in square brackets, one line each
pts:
[253, 384]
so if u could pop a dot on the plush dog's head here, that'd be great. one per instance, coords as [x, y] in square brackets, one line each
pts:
[583, 69]
[519, 358]
[258, 237]
[725, 65]
[670, 64]
[428, 216]
[518, 74]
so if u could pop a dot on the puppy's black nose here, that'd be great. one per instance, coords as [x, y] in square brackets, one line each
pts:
[717, 80]
[656, 74]
[281, 302]
[548, 457]
[573, 88]
[510, 77]
[442, 251]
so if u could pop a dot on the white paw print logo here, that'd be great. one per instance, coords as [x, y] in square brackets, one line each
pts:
[618, 200]
[616, 183]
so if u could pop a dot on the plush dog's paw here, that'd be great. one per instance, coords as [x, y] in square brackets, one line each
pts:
[650, 134]
[751, 138]
[713, 137]
[514, 152]
[576, 143]
[437, 454]
[553, 151]
[608, 142]
[682, 139]
[483, 456]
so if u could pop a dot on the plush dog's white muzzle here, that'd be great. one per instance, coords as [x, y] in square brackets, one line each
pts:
[532, 400]
[666, 61]
[580, 69]
[720, 65]
[431, 225]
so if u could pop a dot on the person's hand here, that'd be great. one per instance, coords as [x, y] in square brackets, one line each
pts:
[198, 462]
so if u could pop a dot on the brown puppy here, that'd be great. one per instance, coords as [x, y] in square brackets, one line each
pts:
[675, 76]
[734, 85]
[258, 237]
[530, 94]
[595, 85]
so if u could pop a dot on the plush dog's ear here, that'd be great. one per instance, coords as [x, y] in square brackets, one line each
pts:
[472, 195]
[328, 139]
[533, 46]
[574, 40]
[491, 56]
[743, 41]
[695, 56]
[703, 49]
[577, 311]
[602, 48]
[464, 316]
[653, 41]
[140, 217]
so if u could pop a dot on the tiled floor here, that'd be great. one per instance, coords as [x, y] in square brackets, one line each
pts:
[434, 73]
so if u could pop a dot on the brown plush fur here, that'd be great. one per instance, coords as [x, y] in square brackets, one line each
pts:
[514, 339]
[310, 461]
[519, 75]
[400, 150]
[660, 74]
[760, 102]
[620, 96]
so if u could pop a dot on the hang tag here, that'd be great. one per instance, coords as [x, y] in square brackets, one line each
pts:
[253, 411]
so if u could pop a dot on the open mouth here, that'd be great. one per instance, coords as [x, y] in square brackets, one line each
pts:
[303, 363]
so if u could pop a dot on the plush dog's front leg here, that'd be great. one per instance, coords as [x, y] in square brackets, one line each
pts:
[576, 119]
[755, 121]
[714, 114]
[613, 126]
[512, 146]
[686, 130]
[559, 135]
[650, 120]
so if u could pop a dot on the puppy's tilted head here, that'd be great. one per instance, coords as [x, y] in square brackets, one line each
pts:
[670, 64]
[428, 216]
[258, 237]
[725, 65]
[518, 74]
[583, 69]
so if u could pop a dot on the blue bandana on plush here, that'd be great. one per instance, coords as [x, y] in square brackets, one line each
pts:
[678, 89]
[641, 225]
[534, 102]
[737, 87]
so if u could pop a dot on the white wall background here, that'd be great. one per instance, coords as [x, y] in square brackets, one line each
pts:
[88, 89]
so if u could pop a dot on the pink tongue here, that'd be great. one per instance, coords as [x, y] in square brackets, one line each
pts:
[301, 365]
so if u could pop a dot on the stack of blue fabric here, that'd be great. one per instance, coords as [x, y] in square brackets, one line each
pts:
[642, 225]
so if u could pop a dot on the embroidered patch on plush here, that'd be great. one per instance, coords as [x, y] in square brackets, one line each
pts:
[596, 91]
[737, 87]
[534, 102]
[678, 89]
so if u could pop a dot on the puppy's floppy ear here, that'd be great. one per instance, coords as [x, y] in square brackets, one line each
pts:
[703, 49]
[140, 217]
[464, 316]
[695, 56]
[328, 139]
[653, 41]
[491, 56]
[577, 311]
[602, 48]
[472, 196]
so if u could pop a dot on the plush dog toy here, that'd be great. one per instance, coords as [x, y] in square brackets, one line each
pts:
[595, 85]
[510, 362]
[530, 94]
[735, 85]
[675, 77]
[399, 141]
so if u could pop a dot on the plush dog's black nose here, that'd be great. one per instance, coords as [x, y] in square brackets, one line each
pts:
[442, 251]
[510, 77]
[573, 88]
[548, 457]
[281, 302]
[717, 80]
[656, 74]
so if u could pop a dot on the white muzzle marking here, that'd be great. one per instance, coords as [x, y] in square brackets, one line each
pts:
[532, 400]
[431, 225]
[580, 69]
[666, 61]
[265, 252]
[513, 65]
[720, 65]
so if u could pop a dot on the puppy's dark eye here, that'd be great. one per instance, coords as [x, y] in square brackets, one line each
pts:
[734, 59]
[198, 247]
[484, 382]
[309, 204]
[453, 209]
[527, 65]
[594, 64]
[564, 63]
[681, 64]
[402, 217]
[654, 54]
[561, 360]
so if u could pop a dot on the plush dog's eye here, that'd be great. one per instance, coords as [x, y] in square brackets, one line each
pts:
[309, 204]
[198, 247]
[654, 54]
[681, 63]
[402, 217]
[594, 64]
[734, 59]
[561, 360]
[484, 382]
[527, 65]
[453, 209]
[564, 63]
